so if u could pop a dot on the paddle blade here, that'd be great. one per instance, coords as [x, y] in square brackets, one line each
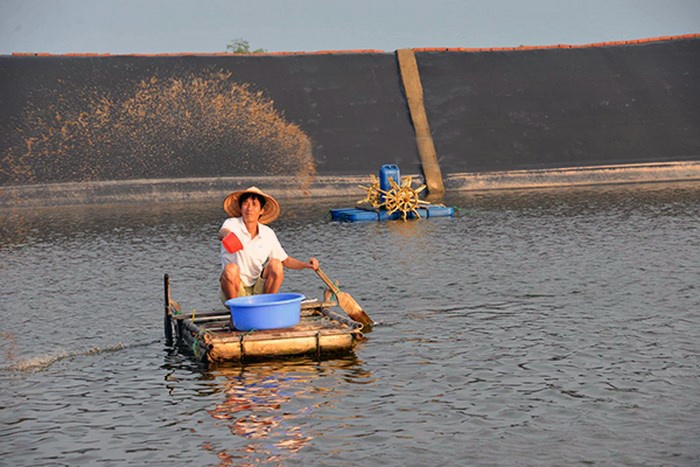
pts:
[346, 302]
[353, 309]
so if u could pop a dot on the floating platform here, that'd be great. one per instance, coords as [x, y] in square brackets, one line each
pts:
[320, 332]
[365, 214]
[210, 336]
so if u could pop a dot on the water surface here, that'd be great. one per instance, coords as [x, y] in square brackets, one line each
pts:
[549, 327]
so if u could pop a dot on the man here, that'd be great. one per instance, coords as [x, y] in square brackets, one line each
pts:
[252, 258]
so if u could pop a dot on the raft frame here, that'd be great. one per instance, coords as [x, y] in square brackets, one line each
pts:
[210, 336]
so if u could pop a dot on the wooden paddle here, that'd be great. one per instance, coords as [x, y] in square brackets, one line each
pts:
[346, 302]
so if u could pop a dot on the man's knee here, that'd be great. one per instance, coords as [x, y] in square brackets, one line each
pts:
[231, 273]
[274, 269]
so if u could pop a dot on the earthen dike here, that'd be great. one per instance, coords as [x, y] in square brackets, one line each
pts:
[90, 128]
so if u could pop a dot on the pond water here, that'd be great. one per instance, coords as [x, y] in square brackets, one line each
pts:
[546, 327]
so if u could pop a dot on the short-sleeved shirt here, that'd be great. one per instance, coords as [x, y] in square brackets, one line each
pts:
[255, 252]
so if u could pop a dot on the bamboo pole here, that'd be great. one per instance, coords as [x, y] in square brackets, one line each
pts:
[247, 349]
[269, 336]
[167, 323]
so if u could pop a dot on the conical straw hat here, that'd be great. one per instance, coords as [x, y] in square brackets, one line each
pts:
[271, 211]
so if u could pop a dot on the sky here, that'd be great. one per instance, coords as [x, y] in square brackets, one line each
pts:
[206, 26]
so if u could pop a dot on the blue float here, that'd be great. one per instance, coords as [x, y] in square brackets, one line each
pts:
[361, 214]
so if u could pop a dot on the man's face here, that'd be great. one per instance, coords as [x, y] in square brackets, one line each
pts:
[251, 209]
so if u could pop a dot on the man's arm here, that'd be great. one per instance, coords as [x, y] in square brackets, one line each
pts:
[293, 263]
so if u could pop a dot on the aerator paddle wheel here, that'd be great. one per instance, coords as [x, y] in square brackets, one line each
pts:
[390, 197]
[373, 197]
[402, 198]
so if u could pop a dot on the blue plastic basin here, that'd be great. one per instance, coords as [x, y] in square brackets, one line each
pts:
[268, 311]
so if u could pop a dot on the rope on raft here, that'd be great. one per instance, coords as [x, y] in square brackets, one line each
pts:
[195, 346]
[175, 308]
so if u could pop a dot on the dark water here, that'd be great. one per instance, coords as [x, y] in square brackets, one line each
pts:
[537, 328]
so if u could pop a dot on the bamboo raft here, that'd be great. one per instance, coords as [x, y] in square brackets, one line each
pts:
[210, 336]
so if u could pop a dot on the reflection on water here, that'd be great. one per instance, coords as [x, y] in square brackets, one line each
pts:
[267, 407]
[258, 406]
[537, 327]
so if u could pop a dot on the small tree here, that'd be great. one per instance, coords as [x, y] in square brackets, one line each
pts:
[242, 46]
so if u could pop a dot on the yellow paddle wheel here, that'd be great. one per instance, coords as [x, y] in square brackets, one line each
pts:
[373, 196]
[402, 198]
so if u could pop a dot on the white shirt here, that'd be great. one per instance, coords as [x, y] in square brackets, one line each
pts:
[256, 251]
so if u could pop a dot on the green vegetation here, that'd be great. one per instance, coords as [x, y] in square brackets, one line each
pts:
[242, 46]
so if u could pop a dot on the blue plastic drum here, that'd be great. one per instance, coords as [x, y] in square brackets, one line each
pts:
[268, 311]
[387, 171]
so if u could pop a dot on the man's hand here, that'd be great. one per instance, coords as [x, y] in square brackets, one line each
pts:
[313, 264]
[223, 233]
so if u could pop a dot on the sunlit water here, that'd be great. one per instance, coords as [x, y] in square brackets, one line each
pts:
[536, 328]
